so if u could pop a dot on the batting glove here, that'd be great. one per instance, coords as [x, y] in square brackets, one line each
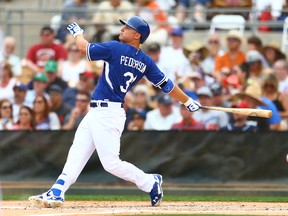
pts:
[192, 105]
[75, 29]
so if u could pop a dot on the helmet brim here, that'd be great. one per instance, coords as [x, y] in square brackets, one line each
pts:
[124, 22]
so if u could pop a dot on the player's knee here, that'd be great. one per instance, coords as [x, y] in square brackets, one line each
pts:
[111, 164]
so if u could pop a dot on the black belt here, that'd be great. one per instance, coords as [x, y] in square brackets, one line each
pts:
[101, 104]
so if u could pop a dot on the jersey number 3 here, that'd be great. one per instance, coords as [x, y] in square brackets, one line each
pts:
[128, 82]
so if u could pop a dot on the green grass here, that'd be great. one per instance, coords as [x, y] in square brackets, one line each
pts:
[166, 198]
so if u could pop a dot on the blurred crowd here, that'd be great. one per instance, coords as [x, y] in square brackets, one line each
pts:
[50, 87]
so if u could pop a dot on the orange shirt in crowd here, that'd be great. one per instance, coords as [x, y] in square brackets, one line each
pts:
[226, 61]
[159, 15]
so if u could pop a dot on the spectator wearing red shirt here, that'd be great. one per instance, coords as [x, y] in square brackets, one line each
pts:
[187, 123]
[46, 49]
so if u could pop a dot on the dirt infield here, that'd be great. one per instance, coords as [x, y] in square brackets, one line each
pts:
[73, 208]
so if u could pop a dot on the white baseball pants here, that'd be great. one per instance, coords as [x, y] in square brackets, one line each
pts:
[101, 129]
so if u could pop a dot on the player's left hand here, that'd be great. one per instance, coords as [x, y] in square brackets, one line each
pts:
[192, 105]
[75, 29]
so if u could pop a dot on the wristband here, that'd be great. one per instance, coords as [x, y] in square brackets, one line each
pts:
[188, 102]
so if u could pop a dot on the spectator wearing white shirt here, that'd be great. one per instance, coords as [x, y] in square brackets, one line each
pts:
[280, 68]
[7, 82]
[173, 55]
[9, 56]
[163, 117]
[213, 120]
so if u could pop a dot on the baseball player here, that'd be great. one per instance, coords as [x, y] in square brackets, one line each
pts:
[101, 128]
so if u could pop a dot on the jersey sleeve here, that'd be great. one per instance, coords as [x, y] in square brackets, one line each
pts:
[100, 51]
[154, 74]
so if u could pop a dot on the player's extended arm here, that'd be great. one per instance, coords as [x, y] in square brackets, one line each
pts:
[77, 33]
[179, 95]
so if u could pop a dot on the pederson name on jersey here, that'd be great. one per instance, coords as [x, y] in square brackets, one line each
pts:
[131, 62]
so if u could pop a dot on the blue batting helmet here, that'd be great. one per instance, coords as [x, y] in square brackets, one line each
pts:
[139, 25]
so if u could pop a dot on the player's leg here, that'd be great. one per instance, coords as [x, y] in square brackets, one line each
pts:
[79, 153]
[106, 136]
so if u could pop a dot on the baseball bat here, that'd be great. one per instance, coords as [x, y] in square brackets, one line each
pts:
[242, 111]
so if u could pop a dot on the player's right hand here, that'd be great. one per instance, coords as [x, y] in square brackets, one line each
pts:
[75, 29]
[192, 105]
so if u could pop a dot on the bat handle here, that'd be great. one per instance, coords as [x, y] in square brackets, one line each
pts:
[203, 107]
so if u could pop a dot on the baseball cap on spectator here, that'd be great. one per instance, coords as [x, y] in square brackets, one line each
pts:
[195, 46]
[240, 104]
[87, 74]
[51, 66]
[165, 99]
[20, 86]
[216, 88]
[56, 88]
[204, 91]
[40, 77]
[176, 32]
[153, 47]
[253, 56]
[139, 115]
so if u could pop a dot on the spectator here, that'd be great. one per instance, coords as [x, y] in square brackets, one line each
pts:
[56, 103]
[280, 69]
[213, 120]
[252, 94]
[173, 55]
[44, 119]
[272, 53]
[25, 119]
[240, 122]
[6, 115]
[154, 51]
[51, 68]
[78, 112]
[214, 50]
[266, 10]
[19, 98]
[46, 49]
[163, 117]
[87, 82]
[191, 82]
[219, 96]
[185, 6]
[256, 70]
[7, 81]
[70, 69]
[233, 56]
[72, 11]
[106, 19]
[188, 122]
[151, 12]
[137, 121]
[243, 74]
[255, 43]
[9, 56]
[40, 83]
[141, 102]
[195, 52]
[270, 90]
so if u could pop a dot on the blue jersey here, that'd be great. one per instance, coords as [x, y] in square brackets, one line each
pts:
[124, 66]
